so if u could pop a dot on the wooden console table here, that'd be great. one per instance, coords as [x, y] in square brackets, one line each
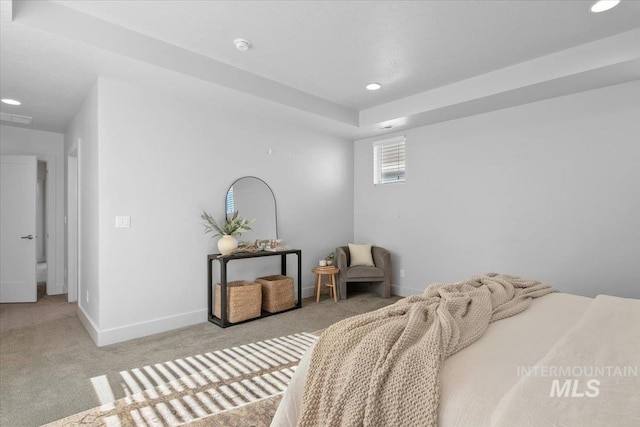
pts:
[224, 260]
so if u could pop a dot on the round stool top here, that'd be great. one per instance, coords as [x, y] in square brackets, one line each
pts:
[326, 270]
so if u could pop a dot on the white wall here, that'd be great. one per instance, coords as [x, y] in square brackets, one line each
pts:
[162, 159]
[82, 135]
[48, 147]
[549, 190]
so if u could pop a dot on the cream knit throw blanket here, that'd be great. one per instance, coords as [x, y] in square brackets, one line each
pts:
[382, 368]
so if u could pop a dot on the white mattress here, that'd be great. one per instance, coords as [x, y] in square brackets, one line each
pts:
[475, 379]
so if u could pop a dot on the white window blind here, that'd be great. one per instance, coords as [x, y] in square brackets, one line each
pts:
[389, 160]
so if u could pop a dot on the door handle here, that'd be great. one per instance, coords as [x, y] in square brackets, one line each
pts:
[30, 237]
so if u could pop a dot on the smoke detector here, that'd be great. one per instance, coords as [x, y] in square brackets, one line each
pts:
[242, 45]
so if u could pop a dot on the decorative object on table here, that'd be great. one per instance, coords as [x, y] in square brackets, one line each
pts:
[277, 293]
[264, 244]
[233, 226]
[326, 271]
[244, 248]
[365, 264]
[329, 258]
[227, 244]
[322, 262]
[275, 245]
[244, 300]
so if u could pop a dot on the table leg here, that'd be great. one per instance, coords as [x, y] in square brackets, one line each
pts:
[318, 286]
[334, 288]
[223, 294]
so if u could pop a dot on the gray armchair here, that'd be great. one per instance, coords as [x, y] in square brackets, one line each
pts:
[379, 276]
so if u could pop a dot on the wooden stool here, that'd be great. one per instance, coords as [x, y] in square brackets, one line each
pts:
[326, 271]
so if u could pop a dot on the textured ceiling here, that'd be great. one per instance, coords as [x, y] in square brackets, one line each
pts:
[331, 49]
[310, 57]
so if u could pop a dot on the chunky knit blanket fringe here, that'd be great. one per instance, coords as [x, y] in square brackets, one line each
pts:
[382, 368]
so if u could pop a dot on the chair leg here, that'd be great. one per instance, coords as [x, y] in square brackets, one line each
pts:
[342, 288]
[385, 289]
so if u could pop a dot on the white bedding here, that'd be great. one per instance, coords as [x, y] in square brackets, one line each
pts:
[475, 380]
[596, 380]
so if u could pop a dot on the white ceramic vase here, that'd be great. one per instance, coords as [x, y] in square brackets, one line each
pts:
[226, 244]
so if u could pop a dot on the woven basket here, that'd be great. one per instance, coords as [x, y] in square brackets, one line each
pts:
[243, 300]
[277, 293]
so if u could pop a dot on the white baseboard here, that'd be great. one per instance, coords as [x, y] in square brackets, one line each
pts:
[395, 290]
[307, 292]
[88, 324]
[143, 329]
[137, 330]
[404, 291]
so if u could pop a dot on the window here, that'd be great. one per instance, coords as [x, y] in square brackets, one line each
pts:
[231, 208]
[389, 160]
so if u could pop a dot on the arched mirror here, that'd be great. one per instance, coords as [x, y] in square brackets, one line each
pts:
[253, 199]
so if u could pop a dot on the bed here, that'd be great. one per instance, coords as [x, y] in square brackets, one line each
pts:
[511, 376]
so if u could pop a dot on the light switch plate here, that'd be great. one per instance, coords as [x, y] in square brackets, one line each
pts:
[123, 221]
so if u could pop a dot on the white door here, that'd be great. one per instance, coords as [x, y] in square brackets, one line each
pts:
[17, 229]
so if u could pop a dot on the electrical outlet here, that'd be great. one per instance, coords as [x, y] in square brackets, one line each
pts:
[402, 273]
[123, 221]
[87, 294]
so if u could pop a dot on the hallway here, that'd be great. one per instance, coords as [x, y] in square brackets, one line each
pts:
[48, 308]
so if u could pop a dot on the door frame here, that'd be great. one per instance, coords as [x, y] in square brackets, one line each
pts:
[51, 235]
[73, 229]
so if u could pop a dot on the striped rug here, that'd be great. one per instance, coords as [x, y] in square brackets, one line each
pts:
[236, 386]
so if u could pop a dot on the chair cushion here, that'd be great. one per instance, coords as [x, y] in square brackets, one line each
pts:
[360, 255]
[364, 272]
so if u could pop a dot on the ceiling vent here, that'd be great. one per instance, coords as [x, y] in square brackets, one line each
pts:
[14, 118]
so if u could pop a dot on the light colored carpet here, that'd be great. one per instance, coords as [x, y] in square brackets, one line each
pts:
[49, 308]
[243, 383]
[46, 366]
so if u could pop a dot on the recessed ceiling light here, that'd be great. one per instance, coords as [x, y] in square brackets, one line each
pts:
[373, 86]
[602, 5]
[242, 44]
[11, 101]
